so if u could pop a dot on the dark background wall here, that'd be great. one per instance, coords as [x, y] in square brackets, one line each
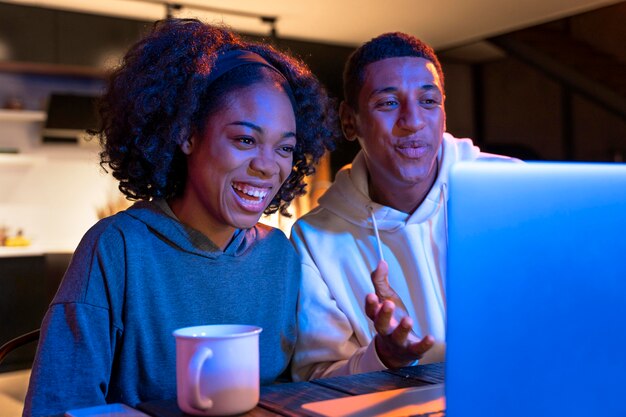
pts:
[564, 98]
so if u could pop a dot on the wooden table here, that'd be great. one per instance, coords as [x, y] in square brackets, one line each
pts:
[287, 399]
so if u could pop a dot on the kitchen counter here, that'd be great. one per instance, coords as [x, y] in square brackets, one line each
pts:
[33, 250]
[18, 251]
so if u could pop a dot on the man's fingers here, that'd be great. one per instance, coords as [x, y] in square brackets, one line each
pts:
[422, 346]
[372, 306]
[401, 332]
[382, 322]
[380, 281]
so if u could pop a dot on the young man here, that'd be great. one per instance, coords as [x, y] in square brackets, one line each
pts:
[390, 204]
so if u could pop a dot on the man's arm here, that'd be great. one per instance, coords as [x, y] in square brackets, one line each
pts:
[327, 344]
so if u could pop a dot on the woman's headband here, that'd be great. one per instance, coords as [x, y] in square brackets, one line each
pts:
[236, 58]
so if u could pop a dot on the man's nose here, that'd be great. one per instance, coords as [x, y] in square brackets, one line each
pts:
[411, 118]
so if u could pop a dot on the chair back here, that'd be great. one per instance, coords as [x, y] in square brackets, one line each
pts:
[13, 344]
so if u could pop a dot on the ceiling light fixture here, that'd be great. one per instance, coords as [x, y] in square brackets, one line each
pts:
[172, 7]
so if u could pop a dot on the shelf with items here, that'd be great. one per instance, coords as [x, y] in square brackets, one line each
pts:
[62, 70]
[12, 160]
[22, 115]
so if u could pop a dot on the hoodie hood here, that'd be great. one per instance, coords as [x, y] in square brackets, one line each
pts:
[160, 219]
[349, 198]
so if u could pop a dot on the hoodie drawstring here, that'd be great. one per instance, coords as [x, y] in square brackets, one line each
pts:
[378, 242]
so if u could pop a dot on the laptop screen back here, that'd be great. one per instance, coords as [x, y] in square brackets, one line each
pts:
[536, 290]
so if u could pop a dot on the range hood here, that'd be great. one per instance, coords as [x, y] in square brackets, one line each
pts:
[69, 116]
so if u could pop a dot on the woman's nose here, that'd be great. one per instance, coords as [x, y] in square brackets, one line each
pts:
[265, 164]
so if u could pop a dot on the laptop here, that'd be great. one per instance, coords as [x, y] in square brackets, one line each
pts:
[536, 295]
[536, 290]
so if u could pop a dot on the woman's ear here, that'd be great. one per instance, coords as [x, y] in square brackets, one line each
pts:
[348, 121]
[187, 146]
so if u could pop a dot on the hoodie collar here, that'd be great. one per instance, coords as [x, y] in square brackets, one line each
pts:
[349, 195]
[160, 218]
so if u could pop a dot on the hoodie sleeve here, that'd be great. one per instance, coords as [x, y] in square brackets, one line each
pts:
[79, 334]
[326, 345]
[73, 361]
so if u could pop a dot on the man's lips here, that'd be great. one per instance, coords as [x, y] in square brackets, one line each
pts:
[412, 149]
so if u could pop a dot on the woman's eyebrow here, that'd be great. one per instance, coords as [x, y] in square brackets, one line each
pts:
[259, 129]
[247, 124]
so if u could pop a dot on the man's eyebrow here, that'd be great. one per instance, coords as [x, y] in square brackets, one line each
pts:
[391, 89]
[430, 87]
[259, 129]
[383, 90]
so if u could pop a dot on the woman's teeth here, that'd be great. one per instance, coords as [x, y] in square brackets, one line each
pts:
[255, 192]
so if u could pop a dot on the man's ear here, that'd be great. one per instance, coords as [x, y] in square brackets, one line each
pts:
[348, 121]
[445, 118]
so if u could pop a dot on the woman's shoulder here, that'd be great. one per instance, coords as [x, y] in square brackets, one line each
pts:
[111, 228]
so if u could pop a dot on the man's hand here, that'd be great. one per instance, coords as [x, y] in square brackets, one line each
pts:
[384, 290]
[396, 343]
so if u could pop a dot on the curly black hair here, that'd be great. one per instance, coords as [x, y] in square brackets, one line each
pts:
[387, 45]
[159, 97]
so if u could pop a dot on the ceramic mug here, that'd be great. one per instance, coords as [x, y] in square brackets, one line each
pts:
[217, 369]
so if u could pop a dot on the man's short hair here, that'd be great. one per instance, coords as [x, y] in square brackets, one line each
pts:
[387, 45]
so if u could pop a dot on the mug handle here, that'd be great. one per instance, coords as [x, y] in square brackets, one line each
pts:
[193, 374]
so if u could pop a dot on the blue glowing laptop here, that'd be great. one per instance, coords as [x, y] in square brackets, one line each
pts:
[536, 290]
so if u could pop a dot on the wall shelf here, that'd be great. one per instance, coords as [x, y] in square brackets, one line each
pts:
[22, 116]
[13, 160]
[43, 68]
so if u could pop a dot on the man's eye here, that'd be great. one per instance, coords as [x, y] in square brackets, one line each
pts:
[430, 102]
[386, 104]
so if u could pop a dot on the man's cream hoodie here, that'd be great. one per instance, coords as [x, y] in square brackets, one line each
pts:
[339, 250]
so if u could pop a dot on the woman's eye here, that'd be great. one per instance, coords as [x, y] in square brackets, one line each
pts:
[245, 140]
[286, 150]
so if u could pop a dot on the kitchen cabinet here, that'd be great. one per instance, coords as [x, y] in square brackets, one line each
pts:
[46, 36]
[27, 285]
[95, 41]
[22, 303]
[27, 33]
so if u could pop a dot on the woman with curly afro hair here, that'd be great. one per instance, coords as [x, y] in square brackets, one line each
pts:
[208, 132]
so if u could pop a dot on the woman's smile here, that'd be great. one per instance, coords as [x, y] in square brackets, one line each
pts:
[252, 197]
